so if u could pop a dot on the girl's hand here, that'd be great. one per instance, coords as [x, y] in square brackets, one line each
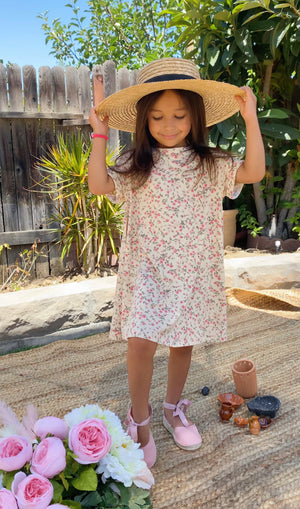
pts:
[247, 104]
[98, 126]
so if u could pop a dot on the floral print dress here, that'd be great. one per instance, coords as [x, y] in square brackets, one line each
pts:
[170, 286]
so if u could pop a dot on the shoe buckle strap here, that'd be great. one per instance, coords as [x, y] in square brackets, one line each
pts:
[180, 410]
[132, 425]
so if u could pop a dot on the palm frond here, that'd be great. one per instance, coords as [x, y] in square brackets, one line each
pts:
[87, 220]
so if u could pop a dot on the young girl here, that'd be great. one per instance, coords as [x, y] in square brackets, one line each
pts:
[170, 286]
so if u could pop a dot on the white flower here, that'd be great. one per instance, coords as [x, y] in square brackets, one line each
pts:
[1, 485]
[124, 462]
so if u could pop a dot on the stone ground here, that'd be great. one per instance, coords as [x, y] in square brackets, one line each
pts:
[72, 276]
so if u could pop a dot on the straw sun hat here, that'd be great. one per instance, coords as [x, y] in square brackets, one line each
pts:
[169, 73]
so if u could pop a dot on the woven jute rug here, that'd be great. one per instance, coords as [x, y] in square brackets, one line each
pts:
[232, 469]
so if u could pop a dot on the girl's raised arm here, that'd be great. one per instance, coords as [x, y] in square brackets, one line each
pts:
[253, 168]
[98, 179]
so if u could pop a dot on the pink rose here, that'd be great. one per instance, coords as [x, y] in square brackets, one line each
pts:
[15, 451]
[49, 458]
[90, 441]
[51, 426]
[32, 491]
[7, 500]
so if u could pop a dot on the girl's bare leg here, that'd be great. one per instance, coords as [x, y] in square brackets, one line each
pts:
[178, 368]
[140, 355]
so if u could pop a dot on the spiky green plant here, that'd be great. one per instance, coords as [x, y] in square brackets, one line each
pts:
[86, 220]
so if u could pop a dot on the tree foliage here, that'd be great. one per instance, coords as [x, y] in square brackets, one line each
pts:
[130, 33]
[255, 43]
[230, 37]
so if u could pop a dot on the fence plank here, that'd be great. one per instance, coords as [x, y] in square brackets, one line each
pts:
[72, 87]
[3, 89]
[33, 140]
[48, 83]
[8, 184]
[85, 97]
[21, 162]
[4, 134]
[3, 131]
[110, 86]
[97, 85]
[20, 150]
[84, 74]
[59, 97]
[124, 82]
[46, 107]
[15, 88]
[47, 129]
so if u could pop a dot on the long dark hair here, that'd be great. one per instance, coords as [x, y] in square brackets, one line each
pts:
[141, 154]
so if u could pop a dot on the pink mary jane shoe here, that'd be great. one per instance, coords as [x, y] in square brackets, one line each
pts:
[187, 437]
[149, 450]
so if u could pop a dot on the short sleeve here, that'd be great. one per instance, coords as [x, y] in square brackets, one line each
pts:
[227, 170]
[119, 180]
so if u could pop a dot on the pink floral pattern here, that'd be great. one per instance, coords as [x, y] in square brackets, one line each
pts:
[170, 286]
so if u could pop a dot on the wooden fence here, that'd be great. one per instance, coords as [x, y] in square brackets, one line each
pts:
[34, 109]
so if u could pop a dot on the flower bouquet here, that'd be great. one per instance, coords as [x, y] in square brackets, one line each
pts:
[84, 461]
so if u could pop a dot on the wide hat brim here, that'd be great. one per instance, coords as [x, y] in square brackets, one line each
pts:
[219, 101]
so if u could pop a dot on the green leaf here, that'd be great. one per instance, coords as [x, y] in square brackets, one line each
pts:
[282, 6]
[7, 479]
[71, 504]
[92, 499]
[214, 135]
[224, 144]
[86, 480]
[227, 128]
[64, 481]
[244, 41]
[286, 204]
[280, 131]
[222, 16]
[58, 490]
[279, 33]
[138, 498]
[212, 55]
[251, 18]
[273, 113]
[246, 6]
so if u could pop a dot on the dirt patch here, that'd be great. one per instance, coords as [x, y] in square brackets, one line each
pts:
[69, 276]
[237, 252]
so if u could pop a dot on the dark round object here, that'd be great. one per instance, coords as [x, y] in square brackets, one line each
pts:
[205, 390]
[264, 405]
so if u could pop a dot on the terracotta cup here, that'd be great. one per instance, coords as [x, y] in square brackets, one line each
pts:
[244, 376]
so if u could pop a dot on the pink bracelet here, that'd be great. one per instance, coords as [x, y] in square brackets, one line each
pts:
[96, 135]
